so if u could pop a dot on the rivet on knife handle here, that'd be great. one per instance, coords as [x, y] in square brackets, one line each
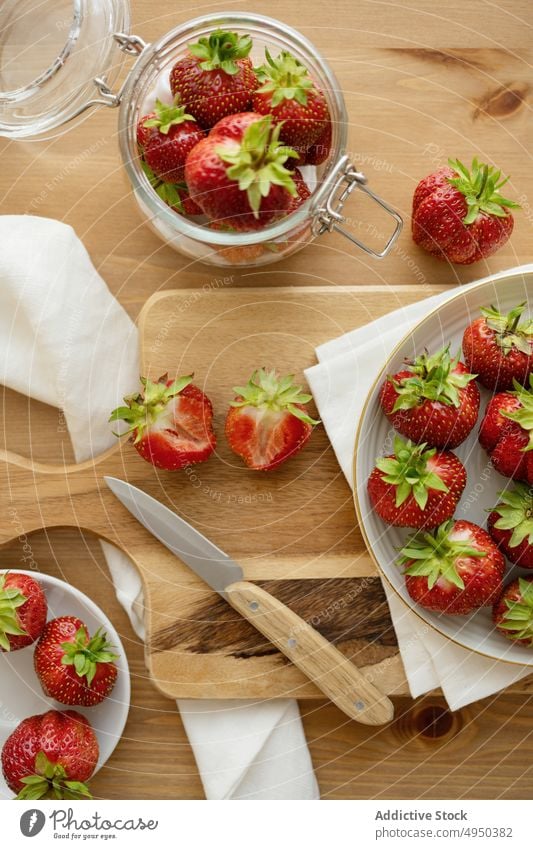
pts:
[338, 678]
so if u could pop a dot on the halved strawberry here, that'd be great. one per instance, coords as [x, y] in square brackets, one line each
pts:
[454, 569]
[506, 432]
[267, 422]
[23, 610]
[510, 524]
[433, 400]
[170, 422]
[499, 348]
[513, 612]
[416, 487]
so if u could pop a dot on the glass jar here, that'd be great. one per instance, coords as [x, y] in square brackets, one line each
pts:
[78, 55]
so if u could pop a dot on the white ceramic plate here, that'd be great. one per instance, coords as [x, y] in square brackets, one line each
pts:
[20, 691]
[374, 438]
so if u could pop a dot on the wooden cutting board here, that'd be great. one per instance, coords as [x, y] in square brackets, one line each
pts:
[293, 530]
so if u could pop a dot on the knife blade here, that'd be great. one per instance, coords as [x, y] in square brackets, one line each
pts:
[320, 660]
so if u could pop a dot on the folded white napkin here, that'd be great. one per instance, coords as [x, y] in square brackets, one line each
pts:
[66, 341]
[429, 659]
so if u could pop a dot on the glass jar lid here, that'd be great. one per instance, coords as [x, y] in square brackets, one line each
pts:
[51, 51]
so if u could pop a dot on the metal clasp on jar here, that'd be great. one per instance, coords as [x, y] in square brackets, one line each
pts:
[335, 191]
[131, 45]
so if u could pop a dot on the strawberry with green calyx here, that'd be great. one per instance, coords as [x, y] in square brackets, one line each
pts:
[510, 525]
[499, 347]
[216, 78]
[170, 422]
[434, 399]
[176, 196]
[416, 487]
[165, 137]
[268, 422]
[506, 432]
[513, 612]
[460, 215]
[454, 569]
[23, 610]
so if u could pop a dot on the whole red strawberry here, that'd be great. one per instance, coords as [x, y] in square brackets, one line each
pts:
[175, 195]
[510, 525]
[459, 215]
[73, 668]
[171, 422]
[513, 611]
[50, 756]
[268, 423]
[499, 349]
[416, 487]
[237, 174]
[321, 148]
[174, 134]
[289, 94]
[23, 611]
[454, 569]
[302, 192]
[506, 432]
[433, 399]
[216, 78]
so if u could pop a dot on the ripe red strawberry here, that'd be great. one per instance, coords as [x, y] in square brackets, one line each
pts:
[302, 192]
[460, 215]
[510, 525]
[238, 177]
[23, 611]
[416, 487]
[217, 78]
[50, 756]
[175, 134]
[170, 422]
[175, 195]
[433, 399]
[513, 612]
[268, 422]
[454, 569]
[321, 148]
[288, 93]
[499, 349]
[73, 668]
[506, 432]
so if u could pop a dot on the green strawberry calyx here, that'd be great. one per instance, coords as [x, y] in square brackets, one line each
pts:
[515, 510]
[481, 188]
[409, 472]
[285, 77]
[268, 391]
[432, 378]
[11, 598]
[167, 116]
[168, 192]
[142, 410]
[257, 161]
[524, 415]
[50, 782]
[518, 618]
[509, 333]
[85, 653]
[221, 49]
[435, 555]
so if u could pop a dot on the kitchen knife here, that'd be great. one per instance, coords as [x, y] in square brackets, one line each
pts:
[325, 665]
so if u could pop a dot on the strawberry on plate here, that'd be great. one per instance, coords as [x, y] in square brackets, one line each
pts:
[237, 175]
[416, 487]
[460, 215]
[23, 611]
[166, 137]
[170, 422]
[50, 756]
[506, 432]
[510, 524]
[216, 78]
[454, 569]
[73, 668]
[268, 423]
[434, 399]
[288, 93]
[499, 348]
[513, 611]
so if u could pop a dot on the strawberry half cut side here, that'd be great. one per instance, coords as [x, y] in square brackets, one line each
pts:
[433, 377]
[50, 782]
[524, 415]
[509, 333]
[481, 189]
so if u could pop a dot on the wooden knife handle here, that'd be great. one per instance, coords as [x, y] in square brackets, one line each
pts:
[325, 665]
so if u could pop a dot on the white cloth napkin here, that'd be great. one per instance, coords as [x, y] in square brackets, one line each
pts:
[66, 341]
[429, 659]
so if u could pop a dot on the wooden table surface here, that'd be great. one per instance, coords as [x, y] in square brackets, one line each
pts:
[422, 82]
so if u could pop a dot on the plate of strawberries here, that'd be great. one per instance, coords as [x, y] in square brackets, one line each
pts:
[444, 469]
[65, 692]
